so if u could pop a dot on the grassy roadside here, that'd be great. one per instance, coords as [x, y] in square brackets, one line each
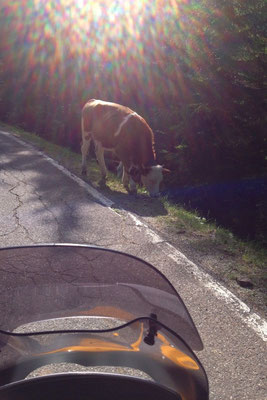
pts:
[250, 256]
[231, 260]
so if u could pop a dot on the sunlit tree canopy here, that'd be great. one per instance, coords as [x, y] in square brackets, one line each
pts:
[153, 42]
[194, 68]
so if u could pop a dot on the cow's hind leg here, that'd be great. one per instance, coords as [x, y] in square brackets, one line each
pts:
[84, 149]
[100, 158]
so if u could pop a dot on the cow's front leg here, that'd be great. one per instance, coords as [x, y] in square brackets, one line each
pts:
[126, 180]
[100, 158]
[84, 149]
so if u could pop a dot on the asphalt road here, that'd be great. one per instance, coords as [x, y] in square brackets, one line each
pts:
[41, 203]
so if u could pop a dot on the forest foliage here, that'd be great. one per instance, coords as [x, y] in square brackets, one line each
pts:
[199, 83]
[195, 69]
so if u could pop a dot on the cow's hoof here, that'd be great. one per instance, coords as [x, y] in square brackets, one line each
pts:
[132, 192]
[155, 195]
[102, 183]
[84, 172]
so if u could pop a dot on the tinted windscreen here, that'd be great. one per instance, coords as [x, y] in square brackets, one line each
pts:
[59, 281]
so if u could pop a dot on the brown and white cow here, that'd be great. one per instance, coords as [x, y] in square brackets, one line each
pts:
[119, 129]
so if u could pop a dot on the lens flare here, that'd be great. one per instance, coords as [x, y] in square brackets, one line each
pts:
[105, 42]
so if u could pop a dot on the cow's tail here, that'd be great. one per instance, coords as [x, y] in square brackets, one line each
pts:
[86, 134]
[82, 130]
[86, 124]
[82, 126]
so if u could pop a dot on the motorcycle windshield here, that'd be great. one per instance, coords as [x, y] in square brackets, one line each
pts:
[73, 284]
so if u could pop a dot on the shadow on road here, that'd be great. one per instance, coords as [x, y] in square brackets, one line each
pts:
[55, 196]
[141, 204]
[51, 197]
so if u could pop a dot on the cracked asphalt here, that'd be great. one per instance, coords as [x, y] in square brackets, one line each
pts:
[40, 204]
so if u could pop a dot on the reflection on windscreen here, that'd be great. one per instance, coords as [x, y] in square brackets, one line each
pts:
[48, 282]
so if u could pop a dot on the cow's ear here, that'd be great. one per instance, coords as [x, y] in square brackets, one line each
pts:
[135, 173]
[145, 170]
[166, 170]
[134, 170]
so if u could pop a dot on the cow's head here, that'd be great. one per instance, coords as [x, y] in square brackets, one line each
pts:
[151, 178]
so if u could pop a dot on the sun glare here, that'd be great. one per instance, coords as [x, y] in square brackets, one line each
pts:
[119, 37]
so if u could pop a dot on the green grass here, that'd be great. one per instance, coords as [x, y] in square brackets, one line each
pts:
[247, 258]
[250, 258]
[184, 219]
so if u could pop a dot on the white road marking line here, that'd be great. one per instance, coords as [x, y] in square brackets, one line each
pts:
[253, 320]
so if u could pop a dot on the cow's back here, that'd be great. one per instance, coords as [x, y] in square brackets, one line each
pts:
[103, 119]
